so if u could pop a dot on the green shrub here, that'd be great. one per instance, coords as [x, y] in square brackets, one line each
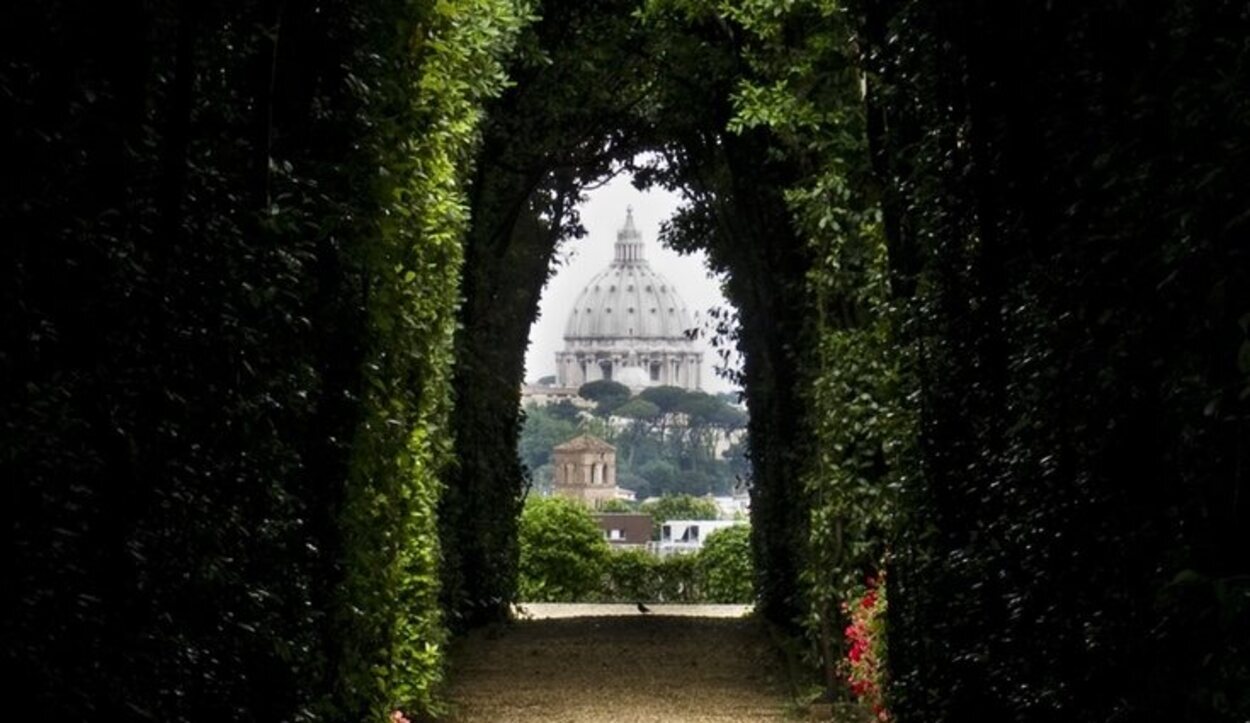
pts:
[680, 507]
[677, 580]
[563, 553]
[630, 575]
[725, 567]
[638, 575]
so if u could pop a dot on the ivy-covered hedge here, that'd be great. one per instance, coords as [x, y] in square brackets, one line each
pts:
[1022, 359]
[228, 301]
[560, 126]
[799, 87]
[1066, 211]
[440, 62]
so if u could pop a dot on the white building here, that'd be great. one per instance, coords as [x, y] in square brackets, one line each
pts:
[629, 325]
[685, 536]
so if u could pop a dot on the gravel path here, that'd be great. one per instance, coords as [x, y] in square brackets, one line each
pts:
[656, 668]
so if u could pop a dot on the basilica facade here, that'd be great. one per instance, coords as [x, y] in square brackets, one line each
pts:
[629, 325]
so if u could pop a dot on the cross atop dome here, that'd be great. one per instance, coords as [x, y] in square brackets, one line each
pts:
[629, 240]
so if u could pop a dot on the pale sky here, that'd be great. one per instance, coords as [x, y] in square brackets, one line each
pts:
[603, 213]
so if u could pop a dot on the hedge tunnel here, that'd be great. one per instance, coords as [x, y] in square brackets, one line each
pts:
[270, 269]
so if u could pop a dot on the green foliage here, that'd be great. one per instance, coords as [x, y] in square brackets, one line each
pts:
[680, 507]
[672, 441]
[1081, 431]
[1003, 330]
[657, 453]
[631, 575]
[665, 398]
[542, 431]
[705, 410]
[565, 410]
[638, 575]
[563, 552]
[637, 409]
[661, 475]
[259, 210]
[431, 97]
[561, 125]
[735, 180]
[606, 394]
[615, 506]
[725, 566]
[677, 580]
[806, 89]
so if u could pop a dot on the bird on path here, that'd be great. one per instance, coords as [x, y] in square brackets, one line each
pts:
[643, 609]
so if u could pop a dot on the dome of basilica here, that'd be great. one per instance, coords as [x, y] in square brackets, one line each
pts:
[628, 299]
[629, 324]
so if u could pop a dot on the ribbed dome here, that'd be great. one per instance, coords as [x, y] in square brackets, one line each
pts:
[628, 300]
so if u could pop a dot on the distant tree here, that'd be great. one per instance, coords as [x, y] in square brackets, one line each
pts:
[541, 431]
[606, 394]
[563, 552]
[547, 381]
[681, 507]
[642, 415]
[639, 410]
[660, 473]
[707, 410]
[726, 567]
[616, 506]
[666, 398]
[640, 486]
[543, 478]
[566, 410]
[705, 479]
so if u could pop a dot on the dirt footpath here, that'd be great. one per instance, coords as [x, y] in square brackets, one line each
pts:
[624, 669]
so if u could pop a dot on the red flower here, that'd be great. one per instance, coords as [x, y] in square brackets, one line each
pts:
[864, 663]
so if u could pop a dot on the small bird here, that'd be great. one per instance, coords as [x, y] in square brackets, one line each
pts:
[643, 609]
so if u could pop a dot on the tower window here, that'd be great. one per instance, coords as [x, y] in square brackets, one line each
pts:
[631, 309]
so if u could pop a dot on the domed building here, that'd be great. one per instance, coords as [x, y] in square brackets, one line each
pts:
[629, 325]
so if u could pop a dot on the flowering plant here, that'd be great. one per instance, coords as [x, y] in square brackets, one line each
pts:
[865, 655]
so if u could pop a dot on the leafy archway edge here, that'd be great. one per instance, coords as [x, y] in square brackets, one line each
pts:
[537, 157]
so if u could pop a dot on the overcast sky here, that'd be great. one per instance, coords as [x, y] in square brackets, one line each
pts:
[603, 214]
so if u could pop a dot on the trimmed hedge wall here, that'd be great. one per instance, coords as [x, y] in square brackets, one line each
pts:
[1066, 204]
[228, 304]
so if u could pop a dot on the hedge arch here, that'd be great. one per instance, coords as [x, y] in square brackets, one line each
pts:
[595, 88]
[992, 285]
